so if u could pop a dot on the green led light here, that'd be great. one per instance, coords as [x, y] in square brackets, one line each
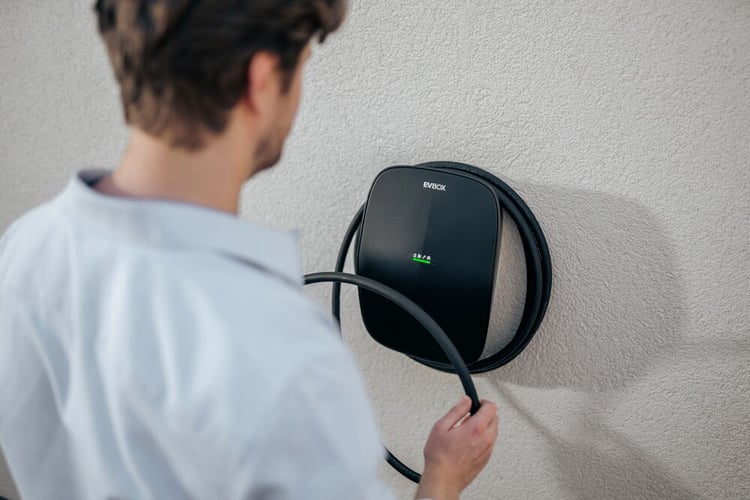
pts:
[421, 261]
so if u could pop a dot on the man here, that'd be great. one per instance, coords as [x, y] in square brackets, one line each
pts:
[153, 344]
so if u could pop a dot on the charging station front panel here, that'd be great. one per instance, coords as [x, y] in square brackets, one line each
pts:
[432, 235]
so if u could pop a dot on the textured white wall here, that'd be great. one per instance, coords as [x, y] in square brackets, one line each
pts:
[626, 127]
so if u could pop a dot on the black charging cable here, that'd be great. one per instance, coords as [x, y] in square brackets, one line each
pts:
[538, 286]
[426, 321]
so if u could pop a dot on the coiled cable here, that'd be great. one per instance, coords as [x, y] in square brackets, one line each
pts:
[538, 289]
[538, 268]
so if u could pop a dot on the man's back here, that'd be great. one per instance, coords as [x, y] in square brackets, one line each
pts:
[158, 349]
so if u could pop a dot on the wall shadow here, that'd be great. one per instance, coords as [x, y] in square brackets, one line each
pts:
[617, 302]
[601, 463]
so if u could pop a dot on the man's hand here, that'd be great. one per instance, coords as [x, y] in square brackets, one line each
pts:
[458, 448]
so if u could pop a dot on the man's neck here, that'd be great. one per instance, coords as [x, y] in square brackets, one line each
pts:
[211, 177]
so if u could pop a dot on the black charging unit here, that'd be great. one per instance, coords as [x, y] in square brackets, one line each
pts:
[427, 246]
[434, 236]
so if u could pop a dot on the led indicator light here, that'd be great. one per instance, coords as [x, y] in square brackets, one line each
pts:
[422, 259]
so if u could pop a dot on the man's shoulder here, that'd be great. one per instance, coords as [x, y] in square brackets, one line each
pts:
[30, 221]
[222, 324]
[241, 303]
[220, 351]
[24, 241]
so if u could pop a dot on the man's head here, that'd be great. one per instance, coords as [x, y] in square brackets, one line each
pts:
[186, 66]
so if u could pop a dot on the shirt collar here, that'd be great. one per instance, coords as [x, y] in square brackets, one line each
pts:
[185, 226]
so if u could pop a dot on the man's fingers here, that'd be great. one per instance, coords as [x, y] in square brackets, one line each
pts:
[495, 417]
[483, 417]
[493, 427]
[493, 420]
[456, 413]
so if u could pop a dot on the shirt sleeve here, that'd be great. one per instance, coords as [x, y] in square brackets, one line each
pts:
[320, 440]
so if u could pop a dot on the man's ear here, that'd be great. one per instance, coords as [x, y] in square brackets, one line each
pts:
[263, 82]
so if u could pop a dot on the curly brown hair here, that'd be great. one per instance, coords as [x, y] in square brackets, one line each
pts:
[182, 64]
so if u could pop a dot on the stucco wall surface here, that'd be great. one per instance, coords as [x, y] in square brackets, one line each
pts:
[624, 125]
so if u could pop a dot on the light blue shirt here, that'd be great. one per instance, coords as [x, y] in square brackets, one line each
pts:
[153, 349]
